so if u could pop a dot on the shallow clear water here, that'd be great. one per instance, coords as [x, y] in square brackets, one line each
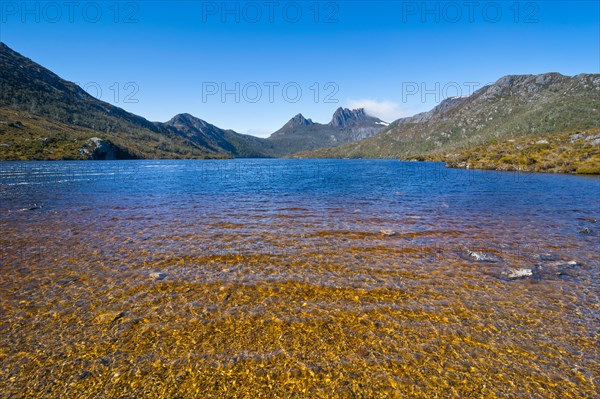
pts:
[272, 278]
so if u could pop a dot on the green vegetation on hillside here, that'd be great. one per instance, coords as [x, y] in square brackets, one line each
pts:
[561, 153]
[24, 136]
[46, 117]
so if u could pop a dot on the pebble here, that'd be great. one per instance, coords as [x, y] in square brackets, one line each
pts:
[33, 207]
[519, 273]
[559, 268]
[388, 233]
[158, 276]
[85, 374]
[483, 256]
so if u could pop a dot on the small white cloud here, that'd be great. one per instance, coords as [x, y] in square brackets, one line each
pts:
[388, 111]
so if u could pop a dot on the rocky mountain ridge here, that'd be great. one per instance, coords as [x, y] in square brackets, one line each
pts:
[513, 106]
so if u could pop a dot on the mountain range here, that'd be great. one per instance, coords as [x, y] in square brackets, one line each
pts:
[43, 116]
[514, 106]
[346, 126]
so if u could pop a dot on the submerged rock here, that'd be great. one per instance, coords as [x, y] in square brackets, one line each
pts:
[547, 257]
[33, 207]
[588, 219]
[388, 233]
[67, 280]
[558, 268]
[481, 256]
[518, 273]
[157, 276]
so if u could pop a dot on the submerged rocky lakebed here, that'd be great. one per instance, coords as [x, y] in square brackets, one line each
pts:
[296, 278]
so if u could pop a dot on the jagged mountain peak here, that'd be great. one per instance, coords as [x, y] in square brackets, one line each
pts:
[301, 134]
[344, 117]
[299, 120]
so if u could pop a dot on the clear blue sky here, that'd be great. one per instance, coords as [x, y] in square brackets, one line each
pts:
[394, 57]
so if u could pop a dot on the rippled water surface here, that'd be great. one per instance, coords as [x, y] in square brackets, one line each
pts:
[297, 278]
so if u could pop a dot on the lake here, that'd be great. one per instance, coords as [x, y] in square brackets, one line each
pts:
[297, 278]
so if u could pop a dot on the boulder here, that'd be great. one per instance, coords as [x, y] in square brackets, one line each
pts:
[99, 149]
[388, 233]
[518, 273]
[481, 256]
[157, 276]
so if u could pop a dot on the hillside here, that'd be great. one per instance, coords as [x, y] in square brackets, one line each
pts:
[513, 107]
[577, 152]
[216, 139]
[43, 116]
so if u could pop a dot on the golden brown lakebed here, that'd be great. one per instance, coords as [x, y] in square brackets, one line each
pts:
[241, 294]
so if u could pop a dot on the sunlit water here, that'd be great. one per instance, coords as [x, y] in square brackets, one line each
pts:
[272, 278]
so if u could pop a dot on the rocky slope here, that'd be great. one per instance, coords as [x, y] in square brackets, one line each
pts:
[576, 152]
[514, 106]
[25, 136]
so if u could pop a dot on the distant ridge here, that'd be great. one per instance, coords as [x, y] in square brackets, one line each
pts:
[297, 121]
[216, 139]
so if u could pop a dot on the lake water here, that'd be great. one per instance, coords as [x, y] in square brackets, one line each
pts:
[272, 278]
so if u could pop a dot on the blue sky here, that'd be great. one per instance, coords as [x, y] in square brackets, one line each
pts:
[252, 65]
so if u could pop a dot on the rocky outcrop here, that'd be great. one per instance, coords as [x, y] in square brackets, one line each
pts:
[98, 149]
[103, 150]
[344, 117]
